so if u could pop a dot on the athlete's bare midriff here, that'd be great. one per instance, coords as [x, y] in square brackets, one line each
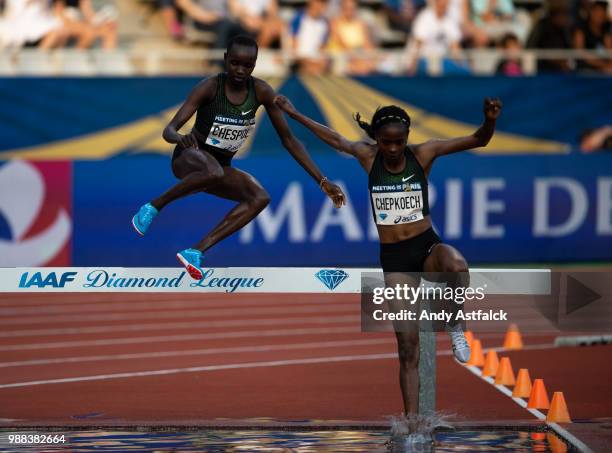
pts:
[390, 234]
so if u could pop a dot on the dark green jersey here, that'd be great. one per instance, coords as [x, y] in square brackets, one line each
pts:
[398, 198]
[222, 125]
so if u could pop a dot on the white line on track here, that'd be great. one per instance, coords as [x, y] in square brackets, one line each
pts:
[564, 433]
[166, 314]
[581, 446]
[182, 325]
[211, 351]
[42, 299]
[229, 366]
[196, 352]
[226, 367]
[525, 348]
[190, 337]
[505, 390]
[130, 306]
[204, 336]
[19, 300]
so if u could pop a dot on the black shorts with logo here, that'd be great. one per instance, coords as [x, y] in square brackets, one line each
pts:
[223, 159]
[408, 255]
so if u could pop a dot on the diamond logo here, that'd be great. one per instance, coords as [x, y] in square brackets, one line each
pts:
[331, 277]
[382, 215]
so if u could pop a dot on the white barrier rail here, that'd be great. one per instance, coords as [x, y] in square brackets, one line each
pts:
[242, 280]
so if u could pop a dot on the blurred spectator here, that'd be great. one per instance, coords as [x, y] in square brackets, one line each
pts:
[553, 32]
[401, 13]
[498, 17]
[332, 9]
[435, 34]
[460, 12]
[86, 24]
[212, 16]
[31, 23]
[350, 33]
[511, 64]
[594, 34]
[580, 10]
[599, 139]
[260, 19]
[309, 34]
[170, 18]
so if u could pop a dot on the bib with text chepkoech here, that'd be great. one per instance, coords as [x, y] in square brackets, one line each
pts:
[397, 204]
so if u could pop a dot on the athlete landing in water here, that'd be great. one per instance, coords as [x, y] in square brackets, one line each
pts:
[397, 180]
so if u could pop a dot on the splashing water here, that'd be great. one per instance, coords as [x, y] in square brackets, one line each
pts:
[415, 432]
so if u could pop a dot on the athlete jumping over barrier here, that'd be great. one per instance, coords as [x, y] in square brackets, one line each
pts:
[226, 105]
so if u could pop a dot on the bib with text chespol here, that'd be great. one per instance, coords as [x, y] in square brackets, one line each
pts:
[229, 134]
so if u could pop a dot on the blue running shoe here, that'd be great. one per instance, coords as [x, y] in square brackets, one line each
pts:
[190, 258]
[142, 220]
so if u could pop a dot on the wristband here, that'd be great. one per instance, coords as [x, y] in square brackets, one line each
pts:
[323, 180]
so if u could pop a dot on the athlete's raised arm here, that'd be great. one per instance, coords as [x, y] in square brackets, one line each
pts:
[203, 92]
[428, 151]
[266, 95]
[361, 150]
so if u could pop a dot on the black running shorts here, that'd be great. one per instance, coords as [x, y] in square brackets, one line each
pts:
[408, 255]
[223, 159]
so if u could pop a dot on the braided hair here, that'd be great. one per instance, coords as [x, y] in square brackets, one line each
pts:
[383, 116]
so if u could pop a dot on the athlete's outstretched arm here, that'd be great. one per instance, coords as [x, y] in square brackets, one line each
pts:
[203, 92]
[428, 151]
[361, 150]
[266, 95]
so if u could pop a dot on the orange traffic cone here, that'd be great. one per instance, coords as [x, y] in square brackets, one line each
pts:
[476, 355]
[522, 389]
[538, 399]
[558, 409]
[491, 364]
[505, 374]
[469, 337]
[513, 338]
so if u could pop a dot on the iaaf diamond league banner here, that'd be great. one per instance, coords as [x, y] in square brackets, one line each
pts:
[218, 280]
[237, 280]
[481, 300]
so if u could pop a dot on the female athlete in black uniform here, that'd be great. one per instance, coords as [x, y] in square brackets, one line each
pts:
[225, 106]
[398, 190]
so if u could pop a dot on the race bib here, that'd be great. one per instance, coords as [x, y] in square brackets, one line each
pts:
[229, 134]
[395, 208]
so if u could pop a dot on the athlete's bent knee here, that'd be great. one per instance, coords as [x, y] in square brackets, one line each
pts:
[455, 265]
[260, 201]
[215, 174]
